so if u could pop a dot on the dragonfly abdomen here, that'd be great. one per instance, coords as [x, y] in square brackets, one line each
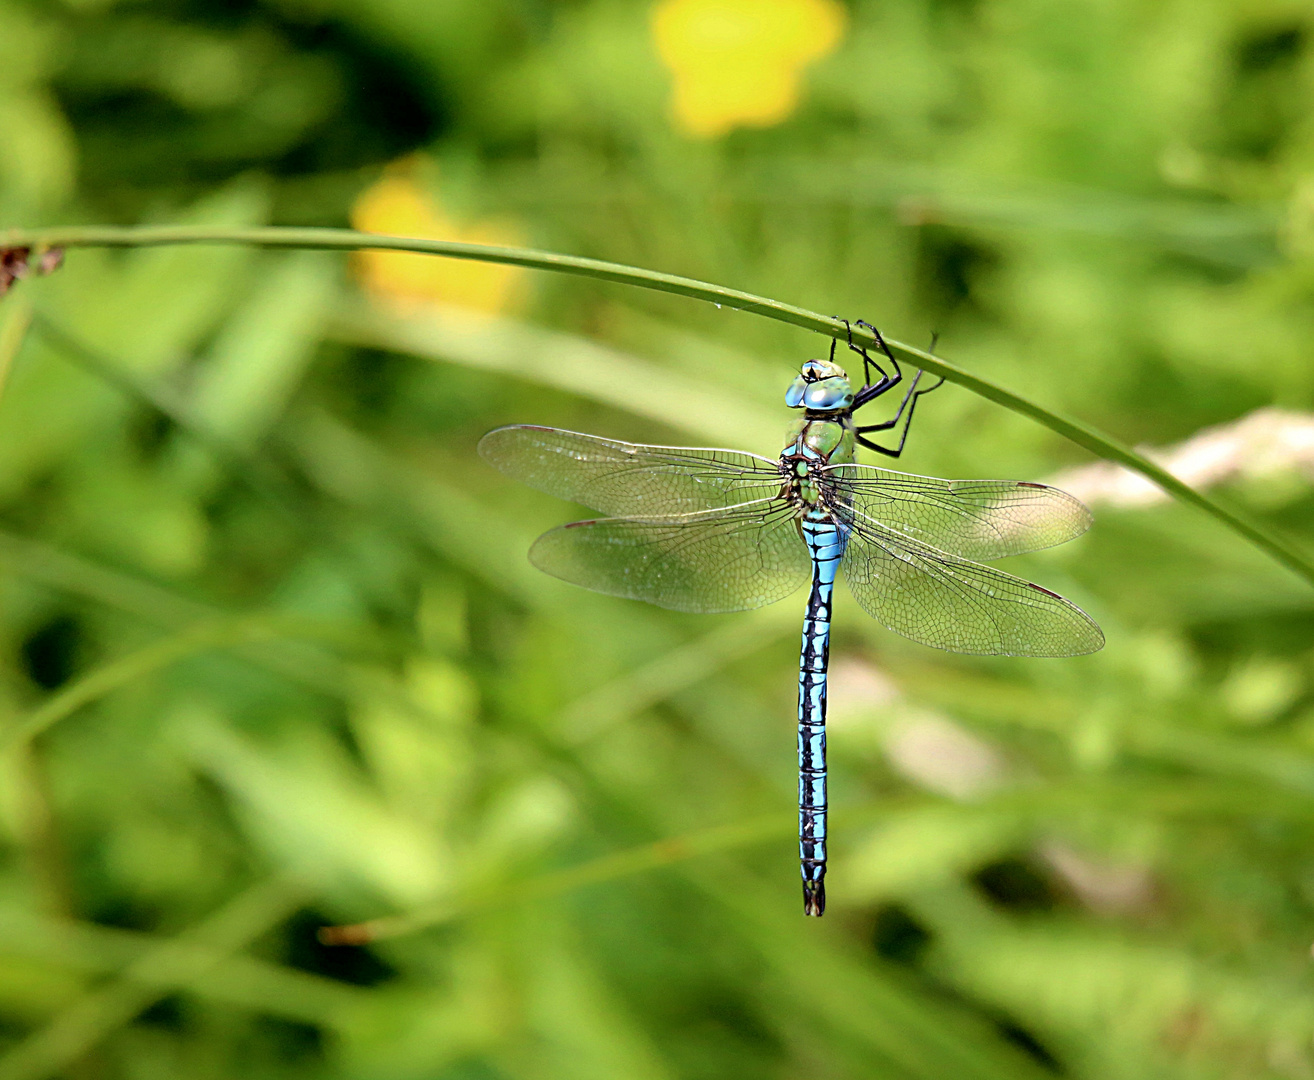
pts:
[826, 540]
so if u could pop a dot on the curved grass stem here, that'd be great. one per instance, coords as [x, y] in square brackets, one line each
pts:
[202, 637]
[349, 240]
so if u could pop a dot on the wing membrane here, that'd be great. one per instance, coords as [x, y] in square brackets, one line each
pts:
[723, 561]
[942, 600]
[977, 519]
[629, 480]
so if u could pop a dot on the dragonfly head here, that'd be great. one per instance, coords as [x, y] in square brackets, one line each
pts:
[820, 387]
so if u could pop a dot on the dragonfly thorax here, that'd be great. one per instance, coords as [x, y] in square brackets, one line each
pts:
[825, 440]
[815, 443]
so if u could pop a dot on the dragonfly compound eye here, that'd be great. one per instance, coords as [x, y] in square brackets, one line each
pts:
[828, 395]
[820, 387]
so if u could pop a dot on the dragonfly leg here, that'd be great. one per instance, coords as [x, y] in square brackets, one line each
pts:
[872, 390]
[909, 403]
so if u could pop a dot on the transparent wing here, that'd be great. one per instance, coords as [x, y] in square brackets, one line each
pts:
[626, 479]
[977, 519]
[950, 603]
[722, 561]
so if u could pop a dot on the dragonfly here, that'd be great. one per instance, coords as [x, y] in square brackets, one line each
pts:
[710, 530]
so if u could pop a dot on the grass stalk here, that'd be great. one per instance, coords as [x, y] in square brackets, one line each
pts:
[1077, 431]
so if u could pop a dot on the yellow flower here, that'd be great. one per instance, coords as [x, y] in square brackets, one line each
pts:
[396, 204]
[738, 62]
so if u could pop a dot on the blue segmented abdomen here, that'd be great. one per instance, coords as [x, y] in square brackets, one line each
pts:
[826, 540]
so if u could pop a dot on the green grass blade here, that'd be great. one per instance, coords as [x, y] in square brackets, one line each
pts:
[220, 634]
[171, 964]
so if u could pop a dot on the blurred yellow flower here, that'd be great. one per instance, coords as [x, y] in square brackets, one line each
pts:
[739, 62]
[397, 204]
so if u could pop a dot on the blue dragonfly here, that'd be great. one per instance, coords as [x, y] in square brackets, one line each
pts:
[720, 530]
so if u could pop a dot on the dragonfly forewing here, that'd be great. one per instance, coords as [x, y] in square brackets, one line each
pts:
[731, 560]
[628, 480]
[976, 519]
[939, 599]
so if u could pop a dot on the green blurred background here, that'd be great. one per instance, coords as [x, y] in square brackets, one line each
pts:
[272, 657]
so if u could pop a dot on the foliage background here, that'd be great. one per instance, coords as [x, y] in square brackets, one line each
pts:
[271, 656]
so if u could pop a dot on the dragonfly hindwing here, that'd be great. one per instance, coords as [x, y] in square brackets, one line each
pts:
[951, 603]
[728, 560]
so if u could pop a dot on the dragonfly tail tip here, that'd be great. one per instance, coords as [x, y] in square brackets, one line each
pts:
[814, 897]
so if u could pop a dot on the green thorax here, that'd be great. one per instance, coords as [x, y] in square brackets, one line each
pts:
[819, 441]
[829, 438]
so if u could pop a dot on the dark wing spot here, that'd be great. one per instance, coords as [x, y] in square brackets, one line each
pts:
[1024, 483]
[1045, 591]
[577, 524]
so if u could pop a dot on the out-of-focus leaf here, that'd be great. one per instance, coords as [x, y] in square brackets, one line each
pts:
[1152, 1003]
[565, 362]
[86, 1021]
[37, 152]
[323, 822]
[255, 364]
[923, 846]
[54, 955]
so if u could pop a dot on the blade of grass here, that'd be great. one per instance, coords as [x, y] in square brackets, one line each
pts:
[72, 574]
[349, 240]
[354, 469]
[681, 667]
[109, 677]
[563, 361]
[246, 467]
[244, 981]
[618, 864]
[13, 332]
[170, 965]
[78, 576]
[222, 633]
